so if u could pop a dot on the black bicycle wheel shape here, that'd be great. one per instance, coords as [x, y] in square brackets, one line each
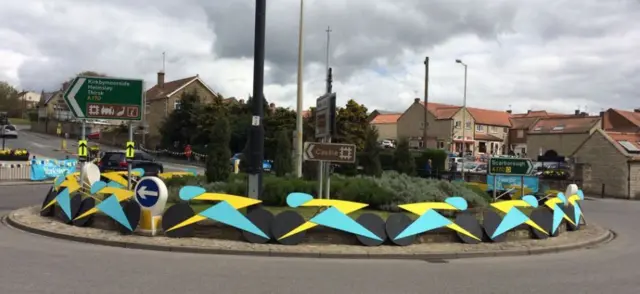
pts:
[569, 210]
[375, 224]
[86, 205]
[263, 219]
[283, 223]
[470, 223]
[543, 217]
[491, 221]
[49, 211]
[132, 211]
[74, 205]
[396, 223]
[175, 215]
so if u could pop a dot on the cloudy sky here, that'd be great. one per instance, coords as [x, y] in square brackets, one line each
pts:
[527, 54]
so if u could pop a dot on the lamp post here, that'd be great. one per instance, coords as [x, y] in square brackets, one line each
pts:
[299, 110]
[464, 116]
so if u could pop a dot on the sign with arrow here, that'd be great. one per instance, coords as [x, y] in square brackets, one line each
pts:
[82, 149]
[105, 98]
[130, 150]
[345, 153]
[151, 193]
[510, 166]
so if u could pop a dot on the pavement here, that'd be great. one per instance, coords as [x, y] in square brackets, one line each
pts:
[37, 264]
[48, 146]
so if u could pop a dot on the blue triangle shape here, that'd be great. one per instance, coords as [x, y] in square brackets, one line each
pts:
[225, 213]
[426, 222]
[512, 219]
[577, 213]
[64, 200]
[558, 214]
[335, 219]
[189, 192]
[112, 208]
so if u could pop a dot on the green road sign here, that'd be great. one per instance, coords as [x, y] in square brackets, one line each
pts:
[105, 98]
[510, 166]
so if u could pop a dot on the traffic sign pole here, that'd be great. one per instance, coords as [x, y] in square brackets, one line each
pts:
[129, 161]
[83, 161]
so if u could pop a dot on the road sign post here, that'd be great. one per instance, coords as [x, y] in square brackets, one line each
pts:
[151, 193]
[325, 118]
[105, 98]
[331, 152]
[508, 166]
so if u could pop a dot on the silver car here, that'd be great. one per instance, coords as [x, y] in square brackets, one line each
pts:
[9, 131]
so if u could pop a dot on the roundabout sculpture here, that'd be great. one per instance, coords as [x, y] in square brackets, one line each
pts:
[76, 202]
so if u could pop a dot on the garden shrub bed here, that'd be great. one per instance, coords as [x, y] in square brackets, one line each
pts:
[14, 155]
[383, 193]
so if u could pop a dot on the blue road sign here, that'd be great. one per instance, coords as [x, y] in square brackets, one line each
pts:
[503, 182]
[147, 192]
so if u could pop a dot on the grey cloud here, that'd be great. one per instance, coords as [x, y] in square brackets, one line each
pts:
[362, 31]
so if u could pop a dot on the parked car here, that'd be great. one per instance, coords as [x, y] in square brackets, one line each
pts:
[9, 131]
[387, 144]
[116, 161]
[266, 164]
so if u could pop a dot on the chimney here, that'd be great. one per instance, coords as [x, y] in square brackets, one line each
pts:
[509, 111]
[601, 113]
[241, 101]
[161, 79]
[417, 100]
[637, 110]
[577, 112]
[528, 111]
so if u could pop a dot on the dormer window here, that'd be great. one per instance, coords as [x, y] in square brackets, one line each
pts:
[537, 129]
[558, 128]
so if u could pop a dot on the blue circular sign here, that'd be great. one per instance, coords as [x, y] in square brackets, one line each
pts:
[147, 192]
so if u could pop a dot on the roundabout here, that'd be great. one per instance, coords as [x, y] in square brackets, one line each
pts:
[49, 265]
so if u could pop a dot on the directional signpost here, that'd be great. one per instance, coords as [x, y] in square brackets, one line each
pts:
[508, 166]
[106, 98]
[332, 152]
[151, 194]
[130, 152]
[82, 150]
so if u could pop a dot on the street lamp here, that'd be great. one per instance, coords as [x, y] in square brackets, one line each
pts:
[464, 115]
[299, 106]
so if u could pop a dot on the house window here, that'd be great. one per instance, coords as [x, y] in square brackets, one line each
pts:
[176, 105]
[468, 125]
[537, 129]
[506, 130]
[494, 129]
[558, 128]
[458, 124]
[520, 134]
[441, 144]
[479, 128]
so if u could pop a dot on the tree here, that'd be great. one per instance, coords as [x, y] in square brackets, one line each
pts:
[275, 121]
[403, 160]
[371, 158]
[217, 165]
[9, 99]
[283, 163]
[180, 125]
[352, 123]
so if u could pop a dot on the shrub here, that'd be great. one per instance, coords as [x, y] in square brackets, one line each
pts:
[371, 158]
[403, 159]
[218, 168]
[283, 163]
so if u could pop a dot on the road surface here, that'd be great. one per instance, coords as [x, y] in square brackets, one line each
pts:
[46, 146]
[35, 264]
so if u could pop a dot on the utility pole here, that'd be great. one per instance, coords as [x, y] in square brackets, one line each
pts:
[299, 106]
[326, 166]
[256, 133]
[321, 164]
[426, 101]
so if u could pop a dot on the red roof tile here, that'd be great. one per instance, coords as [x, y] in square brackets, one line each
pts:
[169, 87]
[632, 138]
[486, 137]
[565, 124]
[386, 118]
[481, 116]
[633, 117]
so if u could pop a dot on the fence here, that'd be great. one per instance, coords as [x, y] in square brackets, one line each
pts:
[15, 171]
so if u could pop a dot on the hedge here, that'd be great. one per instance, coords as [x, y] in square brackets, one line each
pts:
[384, 193]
